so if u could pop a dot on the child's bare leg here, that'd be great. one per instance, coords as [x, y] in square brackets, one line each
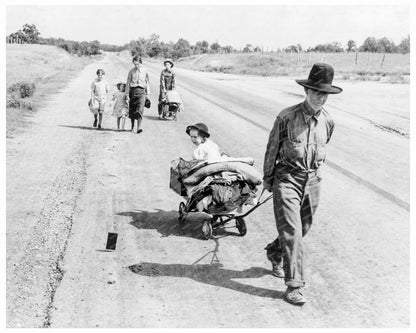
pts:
[100, 118]
[118, 123]
[123, 122]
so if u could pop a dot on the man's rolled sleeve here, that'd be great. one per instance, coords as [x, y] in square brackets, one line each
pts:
[272, 151]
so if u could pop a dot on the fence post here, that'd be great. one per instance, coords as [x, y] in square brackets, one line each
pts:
[368, 60]
[382, 61]
[356, 57]
[309, 59]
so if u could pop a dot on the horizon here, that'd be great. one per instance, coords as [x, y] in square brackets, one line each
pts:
[390, 21]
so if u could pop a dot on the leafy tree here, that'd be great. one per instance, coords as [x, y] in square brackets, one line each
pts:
[228, 49]
[369, 45]
[154, 50]
[292, 48]
[404, 46]
[215, 47]
[385, 45]
[167, 49]
[181, 49]
[351, 45]
[138, 46]
[31, 33]
[248, 48]
[18, 35]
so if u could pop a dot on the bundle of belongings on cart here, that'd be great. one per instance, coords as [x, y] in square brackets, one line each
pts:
[172, 98]
[222, 185]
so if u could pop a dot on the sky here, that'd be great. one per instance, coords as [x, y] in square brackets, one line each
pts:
[270, 26]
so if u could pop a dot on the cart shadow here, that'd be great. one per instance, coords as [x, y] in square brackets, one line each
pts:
[167, 224]
[213, 274]
[92, 128]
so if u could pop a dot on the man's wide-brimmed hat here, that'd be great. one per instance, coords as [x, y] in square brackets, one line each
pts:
[200, 127]
[169, 61]
[320, 79]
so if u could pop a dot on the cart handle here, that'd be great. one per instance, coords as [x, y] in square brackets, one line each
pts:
[258, 204]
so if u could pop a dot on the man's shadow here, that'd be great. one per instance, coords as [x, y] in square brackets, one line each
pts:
[167, 223]
[213, 274]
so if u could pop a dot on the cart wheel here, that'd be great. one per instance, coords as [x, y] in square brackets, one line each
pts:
[241, 225]
[207, 229]
[182, 212]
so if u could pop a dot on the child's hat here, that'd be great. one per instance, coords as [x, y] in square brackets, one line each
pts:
[169, 61]
[200, 127]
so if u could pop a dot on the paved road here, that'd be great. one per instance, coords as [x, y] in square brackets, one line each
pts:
[68, 185]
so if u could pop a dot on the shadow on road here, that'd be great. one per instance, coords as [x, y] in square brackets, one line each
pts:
[93, 128]
[151, 117]
[214, 275]
[167, 224]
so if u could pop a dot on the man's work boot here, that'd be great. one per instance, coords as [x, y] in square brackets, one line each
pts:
[277, 264]
[294, 296]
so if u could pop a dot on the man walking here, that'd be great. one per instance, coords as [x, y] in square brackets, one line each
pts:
[295, 151]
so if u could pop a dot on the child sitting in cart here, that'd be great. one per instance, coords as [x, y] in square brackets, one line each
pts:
[206, 150]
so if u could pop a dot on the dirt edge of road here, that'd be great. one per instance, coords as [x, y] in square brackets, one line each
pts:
[43, 254]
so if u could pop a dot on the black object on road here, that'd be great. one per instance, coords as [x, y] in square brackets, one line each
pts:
[111, 241]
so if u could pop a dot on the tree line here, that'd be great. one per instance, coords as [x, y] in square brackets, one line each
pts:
[29, 34]
[154, 47]
[371, 44]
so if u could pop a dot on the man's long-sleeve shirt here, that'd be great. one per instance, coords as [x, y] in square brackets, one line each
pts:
[297, 140]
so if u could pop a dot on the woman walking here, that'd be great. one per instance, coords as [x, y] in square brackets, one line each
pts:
[137, 90]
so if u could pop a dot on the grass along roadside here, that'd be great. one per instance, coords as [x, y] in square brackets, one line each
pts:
[34, 73]
[390, 68]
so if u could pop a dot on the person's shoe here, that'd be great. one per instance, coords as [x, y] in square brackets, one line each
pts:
[277, 269]
[139, 131]
[132, 130]
[294, 296]
[99, 127]
[277, 265]
[95, 123]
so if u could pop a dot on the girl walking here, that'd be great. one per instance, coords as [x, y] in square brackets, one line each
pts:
[120, 106]
[137, 90]
[99, 91]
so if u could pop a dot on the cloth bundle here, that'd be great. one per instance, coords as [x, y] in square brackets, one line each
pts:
[172, 96]
[247, 172]
[220, 186]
